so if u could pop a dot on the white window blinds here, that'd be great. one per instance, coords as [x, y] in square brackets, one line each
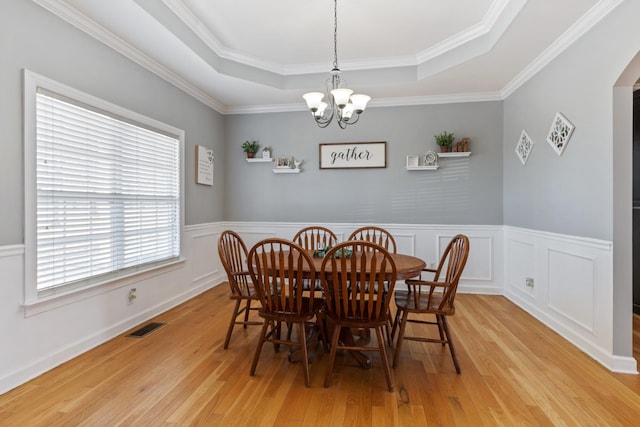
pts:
[108, 194]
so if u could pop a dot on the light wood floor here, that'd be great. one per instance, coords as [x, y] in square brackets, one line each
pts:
[515, 371]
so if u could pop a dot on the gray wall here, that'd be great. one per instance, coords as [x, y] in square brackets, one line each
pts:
[571, 194]
[33, 38]
[462, 191]
[587, 191]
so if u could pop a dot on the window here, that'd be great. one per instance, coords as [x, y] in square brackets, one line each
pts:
[103, 190]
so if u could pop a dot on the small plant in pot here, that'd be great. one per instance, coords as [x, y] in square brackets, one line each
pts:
[444, 140]
[251, 148]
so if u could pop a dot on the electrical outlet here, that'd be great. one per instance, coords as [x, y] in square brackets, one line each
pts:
[528, 282]
[132, 295]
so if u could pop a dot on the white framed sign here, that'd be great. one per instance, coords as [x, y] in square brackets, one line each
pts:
[347, 155]
[204, 165]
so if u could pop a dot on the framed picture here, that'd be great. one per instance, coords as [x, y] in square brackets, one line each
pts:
[413, 161]
[348, 155]
[283, 162]
[204, 165]
[524, 147]
[559, 133]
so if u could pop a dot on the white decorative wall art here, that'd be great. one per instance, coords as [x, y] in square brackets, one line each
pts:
[524, 147]
[560, 132]
[204, 165]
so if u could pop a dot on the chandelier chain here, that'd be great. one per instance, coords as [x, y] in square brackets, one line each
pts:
[335, 34]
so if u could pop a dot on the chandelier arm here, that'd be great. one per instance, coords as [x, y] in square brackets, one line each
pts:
[323, 125]
[354, 121]
[324, 120]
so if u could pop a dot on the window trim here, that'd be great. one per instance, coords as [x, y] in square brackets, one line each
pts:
[32, 81]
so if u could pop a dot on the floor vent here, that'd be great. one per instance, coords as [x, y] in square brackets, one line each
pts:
[145, 330]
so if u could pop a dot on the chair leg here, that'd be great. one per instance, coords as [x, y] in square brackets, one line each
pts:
[403, 325]
[305, 358]
[387, 328]
[332, 355]
[263, 334]
[231, 324]
[445, 326]
[278, 330]
[246, 313]
[385, 360]
[439, 318]
[396, 319]
[289, 330]
[321, 321]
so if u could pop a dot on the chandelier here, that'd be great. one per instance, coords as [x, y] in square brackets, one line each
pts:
[342, 105]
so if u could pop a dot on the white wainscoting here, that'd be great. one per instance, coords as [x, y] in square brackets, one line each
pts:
[481, 275]
[49, 337]
[572, 291]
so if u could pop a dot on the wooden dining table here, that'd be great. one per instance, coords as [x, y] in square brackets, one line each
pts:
[407, 266]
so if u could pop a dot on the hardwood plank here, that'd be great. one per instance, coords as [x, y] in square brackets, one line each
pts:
[515, 371]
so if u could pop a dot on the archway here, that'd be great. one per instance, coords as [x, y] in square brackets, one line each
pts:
[622, 208]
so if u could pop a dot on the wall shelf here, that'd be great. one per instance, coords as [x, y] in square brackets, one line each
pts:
[286, 170]
[459, 154]
[422, 168]
[260, 160]
[430, 162]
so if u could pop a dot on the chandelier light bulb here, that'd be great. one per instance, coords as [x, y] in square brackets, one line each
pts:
[320, 111]
[314, 99]
[347, 111]
[341, 96]
[360, 102]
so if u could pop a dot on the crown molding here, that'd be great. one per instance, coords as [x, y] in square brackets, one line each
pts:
[383, 102]
[436, 99]
[577, 30]
[498, 17]
[199, 29]
[217, 47]
[501, 12]
[92, 28]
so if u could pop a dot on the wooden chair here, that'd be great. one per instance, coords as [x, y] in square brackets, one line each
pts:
[433, 297]
[314, 237]
[278, 268]
[357, 292]
[383, 238]
[233, 254]
[377, 235]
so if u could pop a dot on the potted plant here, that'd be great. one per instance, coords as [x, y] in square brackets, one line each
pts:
[251, 148]
[444, 140]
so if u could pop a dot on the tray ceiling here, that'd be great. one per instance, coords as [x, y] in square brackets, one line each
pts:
[254, 56]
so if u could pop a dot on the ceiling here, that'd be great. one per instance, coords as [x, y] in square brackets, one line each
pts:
[241, 56]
